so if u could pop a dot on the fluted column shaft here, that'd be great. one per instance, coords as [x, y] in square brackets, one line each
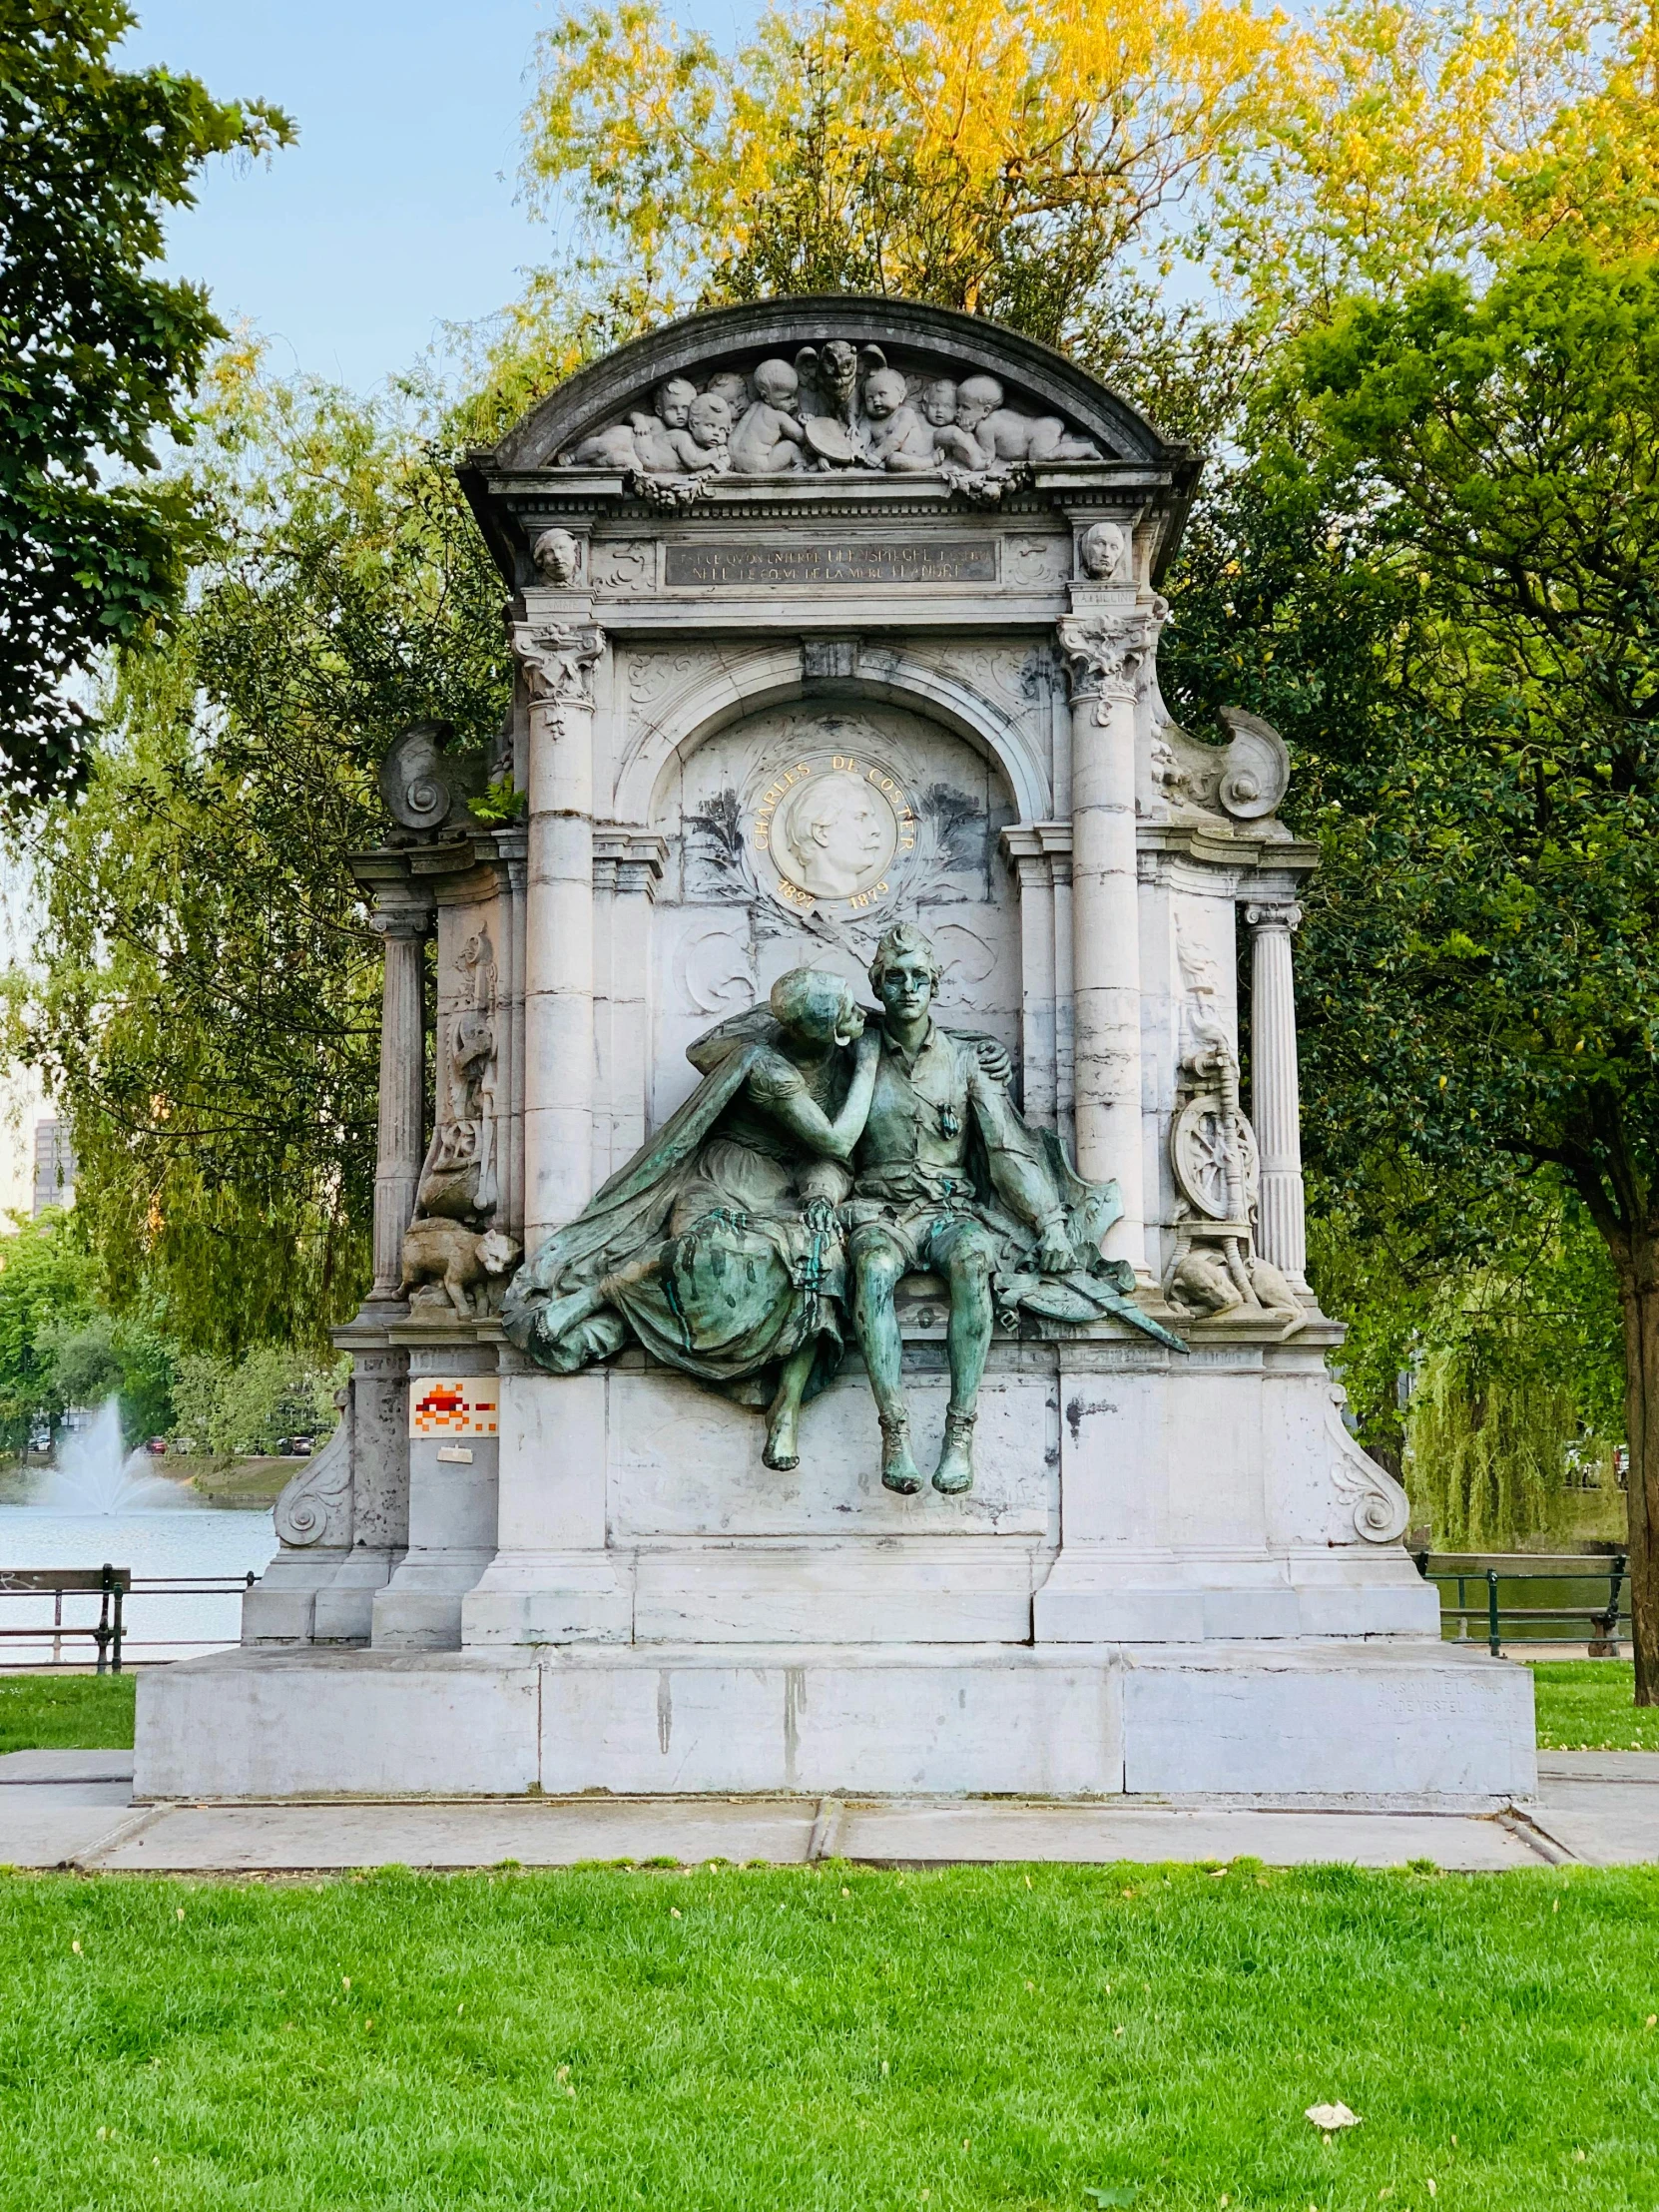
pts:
[1275, 1094]
[1106, 654]
[403, 1124]
[558, 952]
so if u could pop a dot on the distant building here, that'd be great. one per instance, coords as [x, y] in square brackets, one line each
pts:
[53, 1165]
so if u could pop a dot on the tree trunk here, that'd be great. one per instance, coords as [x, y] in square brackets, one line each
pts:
[1638, 1271]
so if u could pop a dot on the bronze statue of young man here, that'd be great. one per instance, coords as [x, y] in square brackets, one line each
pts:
[940, 1127]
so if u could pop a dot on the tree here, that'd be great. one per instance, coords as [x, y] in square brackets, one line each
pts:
[999, 159]
[205, 999]
[46, 1282]
[1478, 473]
[1051, 167]
[100, 354]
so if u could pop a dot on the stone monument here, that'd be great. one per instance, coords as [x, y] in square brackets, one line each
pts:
[838, 1324]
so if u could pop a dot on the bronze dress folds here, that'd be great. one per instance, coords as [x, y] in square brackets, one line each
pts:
[737, 1278]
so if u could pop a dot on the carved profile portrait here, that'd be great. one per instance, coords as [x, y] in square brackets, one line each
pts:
[834, 836]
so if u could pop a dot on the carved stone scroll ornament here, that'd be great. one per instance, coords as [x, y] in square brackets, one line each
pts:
[835, 406]
[1243, 780]
[316, 1508]
[422, 786]
[1381, 1509]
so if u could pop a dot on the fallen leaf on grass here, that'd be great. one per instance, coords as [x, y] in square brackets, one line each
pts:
[1125, 2193]
[1329, 2117]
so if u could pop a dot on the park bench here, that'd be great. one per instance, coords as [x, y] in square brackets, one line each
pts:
[112, 1584]
[1488, 1571]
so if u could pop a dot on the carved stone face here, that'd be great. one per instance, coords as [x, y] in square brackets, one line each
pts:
[557, 557]
[710, 419]
[834, 836]
[673, 402]
[976, 400]
[884, 392]
[938, 403]
[777, 385]
[731, 387]
[1102, 549]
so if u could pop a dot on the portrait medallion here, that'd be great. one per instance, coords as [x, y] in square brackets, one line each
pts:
[832, 828]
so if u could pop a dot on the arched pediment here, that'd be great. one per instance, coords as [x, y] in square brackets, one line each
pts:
[835, 383]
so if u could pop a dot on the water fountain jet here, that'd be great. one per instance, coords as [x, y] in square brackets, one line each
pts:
[94, 1475]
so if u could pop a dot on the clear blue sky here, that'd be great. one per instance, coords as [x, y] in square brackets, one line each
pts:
[398, 211]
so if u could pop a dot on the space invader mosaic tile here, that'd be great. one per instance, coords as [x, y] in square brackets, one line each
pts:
[465, 1406]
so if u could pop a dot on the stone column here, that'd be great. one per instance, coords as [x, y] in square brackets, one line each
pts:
[558, 661]
[402, 1130]
[1274, 1098]
[1107, 653]
[1034, 874]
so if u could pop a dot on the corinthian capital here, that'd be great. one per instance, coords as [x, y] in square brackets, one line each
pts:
[557, 659]
[1110, 656]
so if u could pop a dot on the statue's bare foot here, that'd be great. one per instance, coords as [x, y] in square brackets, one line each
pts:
[899, 1470]
[783, 1445]
[954, 1472]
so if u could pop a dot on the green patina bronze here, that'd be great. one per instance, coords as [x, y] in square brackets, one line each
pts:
[823, 1156]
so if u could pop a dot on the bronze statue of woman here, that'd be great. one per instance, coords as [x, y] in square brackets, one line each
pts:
[718, 1247]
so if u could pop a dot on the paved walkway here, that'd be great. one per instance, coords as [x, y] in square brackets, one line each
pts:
[74, 1808]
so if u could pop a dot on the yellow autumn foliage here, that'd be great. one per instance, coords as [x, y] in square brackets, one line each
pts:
[908, 147]
[1012, 159]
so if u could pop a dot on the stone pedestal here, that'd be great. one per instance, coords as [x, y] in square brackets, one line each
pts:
[1311, 1725]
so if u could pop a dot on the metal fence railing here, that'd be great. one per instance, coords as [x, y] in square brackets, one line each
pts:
[115, 1588]
[1493, 1575]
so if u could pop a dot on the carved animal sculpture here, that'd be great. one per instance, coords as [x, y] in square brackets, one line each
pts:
[458, 1258]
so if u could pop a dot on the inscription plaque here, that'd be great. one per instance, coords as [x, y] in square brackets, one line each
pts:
[757, 567]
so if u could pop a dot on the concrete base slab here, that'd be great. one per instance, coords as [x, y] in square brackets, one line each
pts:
[60, 1823]
[1600, 1807]
[91, 1827]
[1397, 1725]
[65, 1765]
[536, 1832]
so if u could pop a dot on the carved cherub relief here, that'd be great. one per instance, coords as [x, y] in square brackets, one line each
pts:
[836, 406]
[769, 438]
[1004, 437]
[687, 436]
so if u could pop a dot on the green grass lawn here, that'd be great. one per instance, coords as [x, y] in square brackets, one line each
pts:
[89, 1712]
[831, 2039]
[1585, 1705]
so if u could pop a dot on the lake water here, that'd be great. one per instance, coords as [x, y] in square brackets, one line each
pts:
[180, 1536]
